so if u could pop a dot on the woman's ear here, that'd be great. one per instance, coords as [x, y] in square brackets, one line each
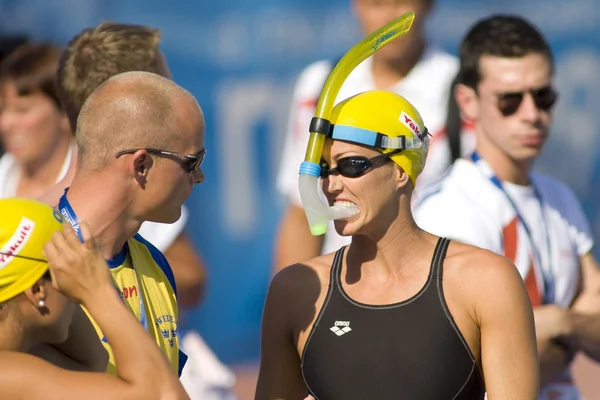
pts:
[36, 294]
[402, 178]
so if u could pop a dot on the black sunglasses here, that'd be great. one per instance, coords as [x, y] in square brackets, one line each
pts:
[544, 99]
[355, 166]
[190, 162]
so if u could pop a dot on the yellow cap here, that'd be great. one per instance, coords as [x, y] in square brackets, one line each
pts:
[376, 118]
[25, 227]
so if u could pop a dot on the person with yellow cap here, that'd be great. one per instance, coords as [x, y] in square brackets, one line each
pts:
[413, 66]
[399, 312]
[44, 272]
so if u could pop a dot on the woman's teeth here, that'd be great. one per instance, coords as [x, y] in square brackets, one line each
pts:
[351, 209]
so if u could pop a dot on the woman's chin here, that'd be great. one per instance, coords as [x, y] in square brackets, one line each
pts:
[347, 227]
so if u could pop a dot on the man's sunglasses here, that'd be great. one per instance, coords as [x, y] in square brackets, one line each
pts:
[544, 98]
[189, 162]
[355, 166]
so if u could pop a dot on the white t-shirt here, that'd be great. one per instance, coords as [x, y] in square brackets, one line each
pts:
[160, 235]
[9, 173]
[426, 86]
[465, 205]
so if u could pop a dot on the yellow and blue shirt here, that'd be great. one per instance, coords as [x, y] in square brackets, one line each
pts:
[147, 286]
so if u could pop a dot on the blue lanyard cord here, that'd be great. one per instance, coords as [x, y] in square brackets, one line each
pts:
[69, 214]
[486, 170]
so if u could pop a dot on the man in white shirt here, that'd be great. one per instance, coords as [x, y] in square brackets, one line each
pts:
[493, 200]
[409, 66]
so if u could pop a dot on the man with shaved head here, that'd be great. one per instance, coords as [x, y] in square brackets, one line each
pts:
[142, 118]
[141, 145]
[91, 57]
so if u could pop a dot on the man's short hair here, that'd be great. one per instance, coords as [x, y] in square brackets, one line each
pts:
[505, 36]
[130, 110]
[32, 69]
[99, 53]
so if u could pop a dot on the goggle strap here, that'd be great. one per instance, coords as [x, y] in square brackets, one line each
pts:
[372, 138]
[401, 142]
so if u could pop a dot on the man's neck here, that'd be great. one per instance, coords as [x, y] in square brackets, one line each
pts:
[503, 166]
[106, 212]
[387, 72]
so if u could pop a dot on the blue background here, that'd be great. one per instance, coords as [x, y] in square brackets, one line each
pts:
[239, 58]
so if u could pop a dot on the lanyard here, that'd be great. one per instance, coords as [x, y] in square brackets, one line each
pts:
[486, 170]
[69, 214]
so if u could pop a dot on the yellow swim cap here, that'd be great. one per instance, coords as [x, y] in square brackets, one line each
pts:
[25, 227]
[387, 121]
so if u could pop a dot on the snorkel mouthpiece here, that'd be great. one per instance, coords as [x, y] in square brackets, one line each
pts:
[317, 213]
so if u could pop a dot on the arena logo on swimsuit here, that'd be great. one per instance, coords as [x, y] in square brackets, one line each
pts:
[17, 242]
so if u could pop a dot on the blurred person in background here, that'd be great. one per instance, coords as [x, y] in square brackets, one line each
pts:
[42, 271]
[8, 43]
[411, 66]
[399, 313]
[493, 199]
[34, 130]
[90, 58]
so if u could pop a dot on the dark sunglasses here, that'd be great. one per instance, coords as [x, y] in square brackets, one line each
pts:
[190, 162]
[544, 98]
[355, 166]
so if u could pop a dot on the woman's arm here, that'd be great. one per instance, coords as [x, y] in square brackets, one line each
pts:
[143, 372]
[508, 343]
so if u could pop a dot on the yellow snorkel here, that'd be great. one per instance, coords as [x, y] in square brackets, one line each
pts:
[318, 213]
